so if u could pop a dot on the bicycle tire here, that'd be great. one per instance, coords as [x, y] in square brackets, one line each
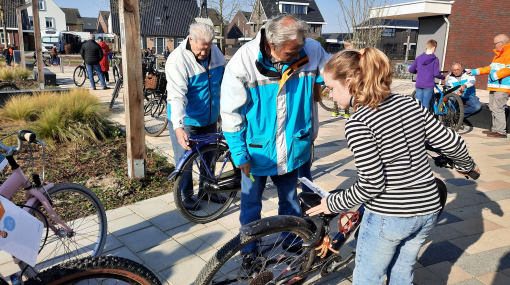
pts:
[229, 250]
[193, 215]
[452, 119]
[8, 86]
[76, 215]
[413, 95]
[96, 268]
[326, 103]
[79, 76]
[116, 74]
[95, 76]
[116, 91]
[155, 118]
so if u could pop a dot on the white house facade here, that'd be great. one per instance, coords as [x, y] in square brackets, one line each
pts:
[51, 16]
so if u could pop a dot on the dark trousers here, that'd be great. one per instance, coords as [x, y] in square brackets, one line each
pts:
[9, 59]
[106, 76]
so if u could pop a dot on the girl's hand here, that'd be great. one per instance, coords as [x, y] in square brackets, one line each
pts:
[322, 208]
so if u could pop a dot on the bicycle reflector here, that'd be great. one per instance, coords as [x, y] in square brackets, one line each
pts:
[352, 219]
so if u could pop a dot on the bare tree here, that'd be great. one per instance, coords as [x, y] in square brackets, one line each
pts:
[364, 24]
[259, 11]
[225, 11]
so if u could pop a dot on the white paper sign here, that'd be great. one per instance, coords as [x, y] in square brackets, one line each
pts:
[314, 187]
[20, 232]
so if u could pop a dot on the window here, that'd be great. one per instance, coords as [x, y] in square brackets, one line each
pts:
[294, 9]
[41, 5]
[312, 29]
[8, 39]
[88, 24]
[67, 28]
[388, 33]
[238, 22]
[158, 20]
[49, 22]
[177, 42]
[31, 20]
[254, 28]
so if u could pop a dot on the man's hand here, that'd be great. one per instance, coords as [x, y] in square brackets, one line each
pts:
[245, 168]
[182, 138]
[468, 71]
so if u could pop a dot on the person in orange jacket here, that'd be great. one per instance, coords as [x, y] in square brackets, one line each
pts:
[498, 85]
[105, 65]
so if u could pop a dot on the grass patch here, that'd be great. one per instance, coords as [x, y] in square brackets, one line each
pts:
[7, 74]
[22, 73]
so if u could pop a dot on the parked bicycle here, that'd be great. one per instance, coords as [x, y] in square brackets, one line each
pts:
[80, 75]
[8, 85]
[327, 103]
[448, 106]
[73, 216]
[155, 104]
[96, 270]
[293, 250]
[116, 66]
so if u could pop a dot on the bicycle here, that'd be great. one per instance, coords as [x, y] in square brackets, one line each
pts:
[78, 220]
[8, 85]
[327, 103]
[116, 66]
[154, 108]
[219, 176]
[293, 249]
[448, 106]
[99, 270]
[80, 74]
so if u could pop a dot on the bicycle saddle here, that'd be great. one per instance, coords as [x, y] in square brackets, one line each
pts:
[309, 200]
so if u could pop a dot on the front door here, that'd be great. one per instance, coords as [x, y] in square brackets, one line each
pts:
[160, 45]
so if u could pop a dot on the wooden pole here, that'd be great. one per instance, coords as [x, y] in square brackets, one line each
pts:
[38, 44]
[129, 15]
[407, 47]
[20, 34]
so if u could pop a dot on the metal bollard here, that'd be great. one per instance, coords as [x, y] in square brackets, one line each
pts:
[61, 65]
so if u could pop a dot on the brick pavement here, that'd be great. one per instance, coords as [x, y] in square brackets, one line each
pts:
[470, 244]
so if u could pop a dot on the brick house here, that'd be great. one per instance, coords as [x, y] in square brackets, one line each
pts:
[73, 19]
[11, 21]
[89, 24]
[463, 29]
[103, 24]
[306, 10]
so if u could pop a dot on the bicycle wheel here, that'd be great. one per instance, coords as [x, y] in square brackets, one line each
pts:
[327, 103]
[452, 109]
[8, 86]
[116, 92]
[97, 270]
[66, 62]
[204, 210]
[268, 261]
[95, 76]
[83, 212]
[154, 117]
[116, 74]
[79, 76]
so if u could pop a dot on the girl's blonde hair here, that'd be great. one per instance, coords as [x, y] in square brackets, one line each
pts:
[370, 73]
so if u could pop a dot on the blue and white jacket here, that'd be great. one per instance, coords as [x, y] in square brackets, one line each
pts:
[267, 116]
[465, 79]
[193, 89]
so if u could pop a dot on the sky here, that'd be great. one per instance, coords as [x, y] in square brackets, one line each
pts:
[330, 10]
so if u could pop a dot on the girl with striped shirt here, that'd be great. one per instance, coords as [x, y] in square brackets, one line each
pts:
[386, 134]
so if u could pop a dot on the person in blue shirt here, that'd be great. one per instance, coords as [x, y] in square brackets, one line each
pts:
[467, 90]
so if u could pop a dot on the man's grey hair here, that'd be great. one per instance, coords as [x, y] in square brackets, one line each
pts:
[278, 32]
[91, 36]
[201, 31]
[459, 63]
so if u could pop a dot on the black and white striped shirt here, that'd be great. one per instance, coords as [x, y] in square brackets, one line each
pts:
[394, 176]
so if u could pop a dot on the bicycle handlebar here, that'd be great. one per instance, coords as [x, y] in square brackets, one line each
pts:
[445, 162]
[22, 136]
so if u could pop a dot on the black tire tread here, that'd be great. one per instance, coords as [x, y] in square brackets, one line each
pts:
[9, 86]
[74, 76]
[68, 269]
[235, 245]
[461, 108]
[116, 92]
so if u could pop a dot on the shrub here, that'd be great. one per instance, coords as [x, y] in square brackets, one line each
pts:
[22, 73]
[3, 64]
[7, 74]
[68, 116]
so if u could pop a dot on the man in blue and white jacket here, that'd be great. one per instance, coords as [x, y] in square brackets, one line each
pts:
[266, 111]
[467, 90]
[194, 71]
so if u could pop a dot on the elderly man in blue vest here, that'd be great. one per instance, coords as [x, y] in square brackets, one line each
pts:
[467, 90]
[194, 71]
[266, 110]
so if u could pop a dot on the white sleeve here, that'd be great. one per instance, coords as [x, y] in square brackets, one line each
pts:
[471, 81]
[233, 99]
[177, 88]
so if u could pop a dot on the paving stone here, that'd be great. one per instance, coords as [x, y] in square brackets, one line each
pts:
[504, 167]
[196, 245]
[144, 239]
[460, 181]
[206, 256]
[126, 253]
[267, 205]
[111, 243]
[501, 156]
[475, 226]
[230, 221]
[439, 252]
[447, 218]
[494, 278]
[168, 220]
[185, 272]
[165, 255]
[168, 198]
[484, 242]
[448, 272]
[118, 213]
[494, 143]
[423, 276]
[183, 230]
[485, 262]
[150, 208]
[127, 225]
[472, 281]
[215, 235]
[494, 185]
[441, 233]
[497, 195]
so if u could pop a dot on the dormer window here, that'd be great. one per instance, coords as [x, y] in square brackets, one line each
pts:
[158, 20]
[294, 9]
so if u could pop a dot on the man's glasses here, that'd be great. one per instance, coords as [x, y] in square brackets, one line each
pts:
[494, 44]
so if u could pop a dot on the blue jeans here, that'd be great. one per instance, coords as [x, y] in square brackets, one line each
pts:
[474, 106]
[179, 151]
[251, 198]
[389, 246]
[97, 67]
[424, 95]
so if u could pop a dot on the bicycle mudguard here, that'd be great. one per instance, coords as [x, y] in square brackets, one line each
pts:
[265, 224]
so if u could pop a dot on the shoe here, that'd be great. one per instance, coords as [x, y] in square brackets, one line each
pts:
[215, 198]
[106, 88]
[347, 115]
[94, 88]
[497, 135]
[487, 132]
[190, 204]
[334, 114]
